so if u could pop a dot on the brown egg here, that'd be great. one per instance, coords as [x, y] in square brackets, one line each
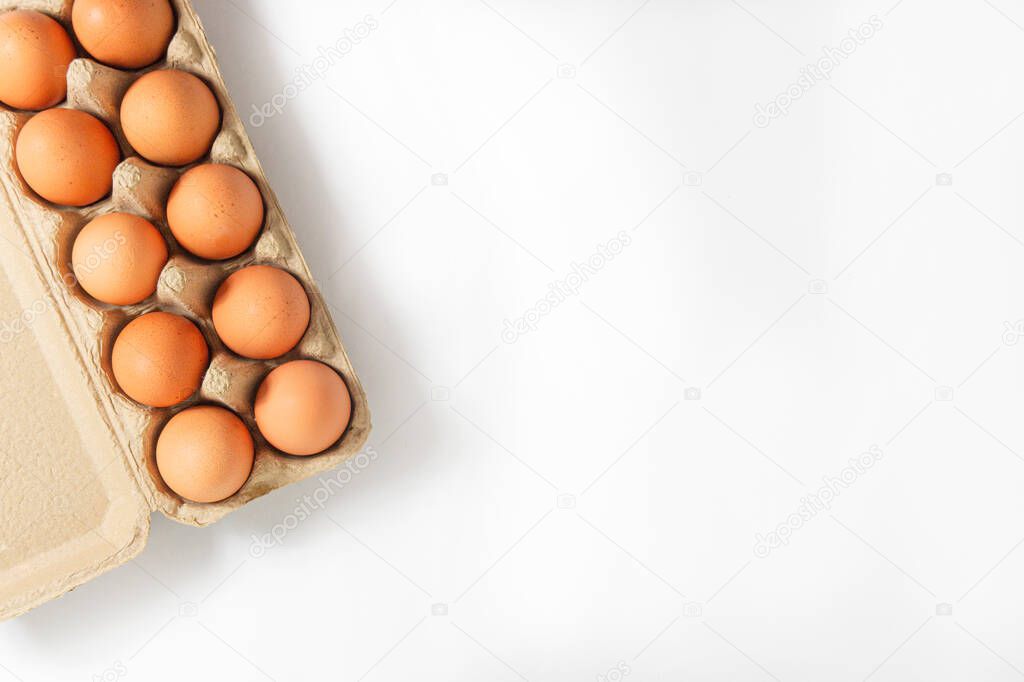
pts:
[67, 156]
[128, 34]
[35, 52]
[117, 258]
[159, 359]
[261, 312]
[303, 407]
[170, 117]
[215, 211]
[205, 453]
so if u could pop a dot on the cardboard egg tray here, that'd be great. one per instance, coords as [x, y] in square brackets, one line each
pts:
[78, 479]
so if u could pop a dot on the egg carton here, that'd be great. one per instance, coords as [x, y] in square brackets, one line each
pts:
[108, 439]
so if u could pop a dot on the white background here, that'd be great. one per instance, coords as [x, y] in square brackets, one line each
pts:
[584, 501]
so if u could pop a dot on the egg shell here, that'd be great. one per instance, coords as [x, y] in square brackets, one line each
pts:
[35, 52]
[67, 156]
[261, 312]
[170, 117]
[117, 258]
[302, 407]
[215, 211]
[159, 359]
[205, 453]
[127, 34]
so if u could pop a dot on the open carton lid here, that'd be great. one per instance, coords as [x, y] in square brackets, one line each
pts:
[70, 507]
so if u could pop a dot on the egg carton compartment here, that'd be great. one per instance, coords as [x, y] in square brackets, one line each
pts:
[187, 284]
